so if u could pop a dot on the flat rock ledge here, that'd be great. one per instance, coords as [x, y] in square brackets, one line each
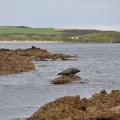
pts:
[20, 60]
[63, 79]
[102, 106]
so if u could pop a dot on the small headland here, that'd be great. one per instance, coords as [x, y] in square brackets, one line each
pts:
[20, 60]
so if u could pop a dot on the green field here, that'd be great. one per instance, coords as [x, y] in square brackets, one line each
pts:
[50, 34]
[14, 30]
[100, 37]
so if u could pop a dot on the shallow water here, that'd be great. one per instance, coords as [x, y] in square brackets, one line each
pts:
[22, 94]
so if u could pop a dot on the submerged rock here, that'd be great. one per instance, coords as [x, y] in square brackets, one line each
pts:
[63, 79]
[99, 107]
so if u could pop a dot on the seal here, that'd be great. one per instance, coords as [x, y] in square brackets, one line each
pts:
[69, 71]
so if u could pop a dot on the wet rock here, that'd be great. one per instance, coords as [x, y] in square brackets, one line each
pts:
[43, 54]
[37, 53]
[19, 60]
[63, 79]
[99, 107]
[103, 91]
[83, 108]
[13, 65]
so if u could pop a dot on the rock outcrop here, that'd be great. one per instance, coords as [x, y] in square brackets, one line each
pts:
[102, 106]
[63, 79]
[34, 53]
[20, 60]
[9, 65]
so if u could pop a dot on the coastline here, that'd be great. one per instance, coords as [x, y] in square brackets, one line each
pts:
[27, 41]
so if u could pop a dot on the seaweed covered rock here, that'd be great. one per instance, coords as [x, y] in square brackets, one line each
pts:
[19, 60]
[9, 65]
[63, 79]
[36, 53]
[99, 107]
[41, 54]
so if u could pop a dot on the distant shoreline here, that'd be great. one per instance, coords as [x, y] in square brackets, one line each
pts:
[21, 34]
[27, 41]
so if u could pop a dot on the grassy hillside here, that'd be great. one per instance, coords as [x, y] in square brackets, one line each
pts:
[50, 34]
[17, 30]
[99, 37]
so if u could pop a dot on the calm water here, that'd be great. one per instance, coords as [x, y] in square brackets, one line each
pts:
[22, 94]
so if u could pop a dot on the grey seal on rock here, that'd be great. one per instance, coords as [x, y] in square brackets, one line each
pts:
[69, 71]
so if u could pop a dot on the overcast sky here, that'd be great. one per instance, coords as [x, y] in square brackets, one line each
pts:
[60, 13]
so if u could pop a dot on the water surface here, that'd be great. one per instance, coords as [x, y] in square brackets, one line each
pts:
[22, 94]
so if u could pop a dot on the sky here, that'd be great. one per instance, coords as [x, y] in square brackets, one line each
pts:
[61, 13]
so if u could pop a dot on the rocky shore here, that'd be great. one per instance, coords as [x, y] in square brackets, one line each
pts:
[20, 60]
[102, 106]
